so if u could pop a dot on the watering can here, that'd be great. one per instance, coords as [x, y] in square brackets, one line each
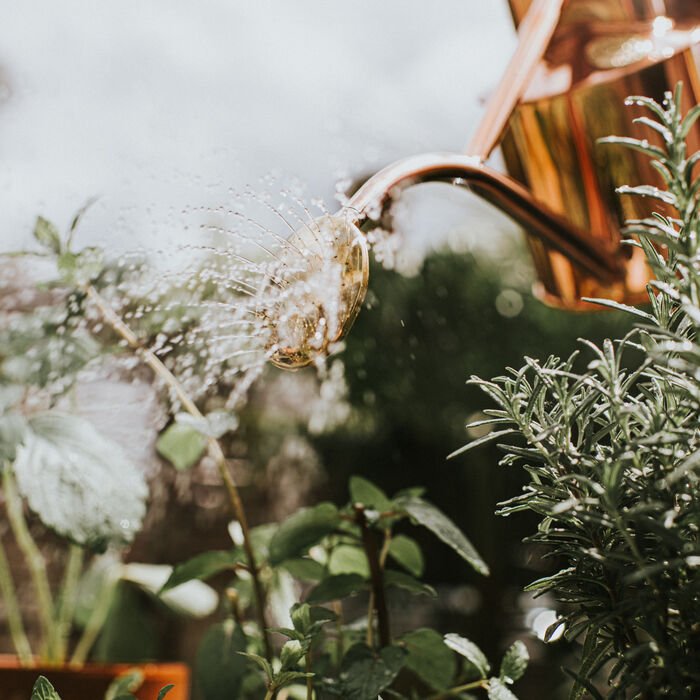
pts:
[565, 87]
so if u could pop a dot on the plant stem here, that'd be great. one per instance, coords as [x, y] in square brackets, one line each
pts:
[66, 605]
[309, 680]
[162, 372]
[14, 615]
[270, 694]
[34, 558]
[459, 689]
[376, 576]
[95, 623]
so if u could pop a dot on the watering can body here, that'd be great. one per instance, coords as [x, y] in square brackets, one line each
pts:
[601, 52]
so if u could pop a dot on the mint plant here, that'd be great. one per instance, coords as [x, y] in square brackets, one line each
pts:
[335, 555]
[610, 441]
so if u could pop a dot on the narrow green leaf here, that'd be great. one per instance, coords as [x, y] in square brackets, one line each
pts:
[470, 651]
[164, 691]
[427, 515]
[481, 441]
[182, 445]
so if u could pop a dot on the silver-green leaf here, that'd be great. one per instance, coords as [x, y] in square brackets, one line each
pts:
[78, 482]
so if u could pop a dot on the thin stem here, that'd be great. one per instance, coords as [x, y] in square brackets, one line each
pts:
[95, 623]
[34, 558]
[474, 685]
[376, 577]
[372, 601]
[67, 601]
[270, 694]
[14, 614]
[161, 371]
[309, 679]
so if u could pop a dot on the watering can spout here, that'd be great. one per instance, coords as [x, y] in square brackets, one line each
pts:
[371, 204]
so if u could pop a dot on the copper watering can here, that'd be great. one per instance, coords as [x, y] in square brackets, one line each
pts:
[575, 63]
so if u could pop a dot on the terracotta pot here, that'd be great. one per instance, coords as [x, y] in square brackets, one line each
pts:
[92, 680]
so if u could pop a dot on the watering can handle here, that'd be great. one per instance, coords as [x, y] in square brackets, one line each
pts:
[534, 34]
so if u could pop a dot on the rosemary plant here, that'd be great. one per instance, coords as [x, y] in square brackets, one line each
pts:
[612, 451]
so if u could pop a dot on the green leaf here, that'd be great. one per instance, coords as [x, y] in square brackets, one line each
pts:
[408, 583]
[126, 683]
[291, 654]
[469, 651]
[305, 569]
[262, 662]
[369, 495]
[497, 690]
[164, 691]
[430, 517]
[429, 658]
[302, 530]
[336, 587]
[365, 673]
[43, 690]
[47, 235]
[348, 559]
[80, 483]
[285, 678]
[81, 268]
[514, 663]
[202, 566]
[220, 667]
[406, 552]
[182, 445]
[481, 441]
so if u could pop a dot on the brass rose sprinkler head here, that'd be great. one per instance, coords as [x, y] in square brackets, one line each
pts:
[564, 88]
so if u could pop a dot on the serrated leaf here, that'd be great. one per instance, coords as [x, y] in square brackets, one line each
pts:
[371, 496]
[430, 517]
[514, 663]
[182, 445]
[47, 235]
[337, 587]
[301, 531]
[262, 662]
[123, 685]
[202, 566]
[429, 658]
[43, 690]
[219, 666]
[470, 651]
[497, 690]
[401, 580]
[406, 552]
[80, 483]
[365, 673]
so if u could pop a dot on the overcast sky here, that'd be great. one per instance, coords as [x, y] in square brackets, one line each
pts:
[167, 104]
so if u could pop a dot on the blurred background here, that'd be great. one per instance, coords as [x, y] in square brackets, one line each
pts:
[167, 109]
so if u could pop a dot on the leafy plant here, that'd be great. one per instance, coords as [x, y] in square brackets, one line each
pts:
[340, 557]
[612, 454]
[120, 689]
